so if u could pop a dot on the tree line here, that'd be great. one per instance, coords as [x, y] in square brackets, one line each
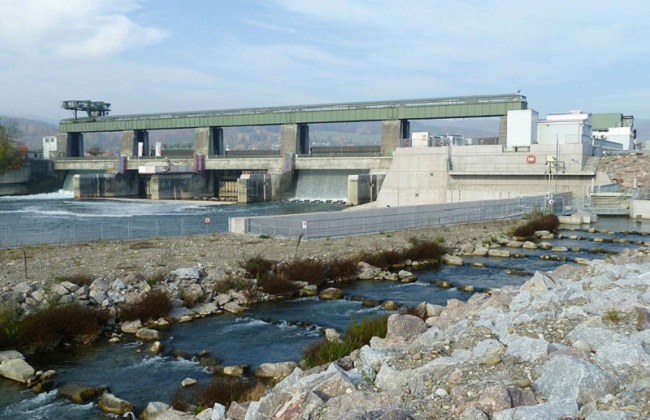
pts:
[12, 153]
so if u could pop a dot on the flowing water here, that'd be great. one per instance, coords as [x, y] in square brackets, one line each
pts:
[268, 332]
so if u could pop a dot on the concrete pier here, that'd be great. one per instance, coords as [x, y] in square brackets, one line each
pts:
[105, 185]
[364, 188]
[179, 186]
[208, 141]
[131, 141]
[391, 133]
[70, 144]
[294, 138]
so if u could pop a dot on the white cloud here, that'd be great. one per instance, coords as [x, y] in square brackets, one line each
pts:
[73, 28]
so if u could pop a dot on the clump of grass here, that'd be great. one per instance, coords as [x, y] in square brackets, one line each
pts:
[157, 277]
[549, 222]
[8, 327]
[221, 389]
[304, 269]
[153, 305]
[356, 336]
[48, 327]
[613, 315]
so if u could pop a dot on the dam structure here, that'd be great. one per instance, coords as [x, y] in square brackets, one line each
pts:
[254, 175]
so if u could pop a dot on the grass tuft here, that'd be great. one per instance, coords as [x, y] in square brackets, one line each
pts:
[356, 336]
[221, 389]
[538, 222]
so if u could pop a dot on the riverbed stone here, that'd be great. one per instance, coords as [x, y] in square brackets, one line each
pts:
[560, 409]
[147, 334]
[452, 260]
[9, 355]
[234, 308]
[111, 404]
[131, 327]
[17, 369]
[526, 348]
[235, 370]
[367, 271]
[190, 273]
[331, 293]
[80, 394]
[501, 253]
[172, 414]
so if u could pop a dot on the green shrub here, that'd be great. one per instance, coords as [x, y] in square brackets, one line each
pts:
[356, 336]
[153, 305]
[258, 266]
[8, 327]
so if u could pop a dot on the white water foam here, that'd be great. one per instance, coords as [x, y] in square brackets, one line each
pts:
[59, 195]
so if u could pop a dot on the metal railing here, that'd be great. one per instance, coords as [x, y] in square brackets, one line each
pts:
[360, 222]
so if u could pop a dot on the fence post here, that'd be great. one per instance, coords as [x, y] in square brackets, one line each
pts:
[101, 231]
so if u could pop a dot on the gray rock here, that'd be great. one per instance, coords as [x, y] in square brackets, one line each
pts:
[99, 285]
[473, 413]
[404, 327]
[551, 410]
[131, 327]
[276, 371]
[180, 311]
[337, 408]
[612, 415]
[17, 369]
[234, 308]
[186, 274]
[205, 308]
[153, 410]
[147, 334]
[222, 298]
[452, 260]
[332, 335]
[501, 253]
[237, 411]
[218, 412]
[565, 377]
[80, 394]
[642, 319]
[526, 348]
[172, 414]
[9, 355]
[367, 272]
[331, 293]
[111, 404]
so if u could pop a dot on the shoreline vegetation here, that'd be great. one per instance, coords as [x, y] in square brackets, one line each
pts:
[139, 286]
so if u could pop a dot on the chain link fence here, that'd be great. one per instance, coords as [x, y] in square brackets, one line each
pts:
[360, 222]
[104, 231]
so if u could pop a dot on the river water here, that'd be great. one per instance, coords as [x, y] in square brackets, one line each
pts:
[269, 332]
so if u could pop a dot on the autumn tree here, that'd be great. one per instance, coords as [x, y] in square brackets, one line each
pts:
[12, 154]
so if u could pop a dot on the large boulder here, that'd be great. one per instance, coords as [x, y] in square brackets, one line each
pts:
[153, 410]
[565, 377]
[331, 293]
[80, 394]
[111, 404]
[404, 327]
[17, 369]
[275, 371]
[367, 271]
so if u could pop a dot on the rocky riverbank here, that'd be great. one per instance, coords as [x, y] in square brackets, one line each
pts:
[499, 351]
[573, 343]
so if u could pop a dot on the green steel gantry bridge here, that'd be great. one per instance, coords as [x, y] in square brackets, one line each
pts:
[434, 108]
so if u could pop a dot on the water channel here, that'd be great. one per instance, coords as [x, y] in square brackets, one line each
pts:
[269, 332]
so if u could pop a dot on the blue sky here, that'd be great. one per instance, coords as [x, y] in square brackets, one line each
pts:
[163, 55]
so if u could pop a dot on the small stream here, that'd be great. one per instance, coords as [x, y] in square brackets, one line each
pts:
[268, 332]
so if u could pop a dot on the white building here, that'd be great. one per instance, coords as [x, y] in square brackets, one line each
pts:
[49, 147]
